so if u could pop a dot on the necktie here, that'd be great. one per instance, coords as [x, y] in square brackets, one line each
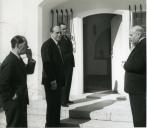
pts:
[60, 52]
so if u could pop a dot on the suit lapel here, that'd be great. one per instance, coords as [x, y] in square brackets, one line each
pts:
[22, 65]
[19, 63]
[57, 47]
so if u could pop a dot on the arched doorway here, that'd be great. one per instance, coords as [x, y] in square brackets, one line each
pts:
[97, 48]
[119, 31]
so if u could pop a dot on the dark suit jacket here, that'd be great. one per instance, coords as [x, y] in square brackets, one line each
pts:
[135, 67]
[13, 78]
[53, 68]
[67, 51]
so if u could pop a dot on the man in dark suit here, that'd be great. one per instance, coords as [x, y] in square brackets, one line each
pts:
[13, 82]
[135, 76]
[68, 57]
[53, 77]
[1, 106]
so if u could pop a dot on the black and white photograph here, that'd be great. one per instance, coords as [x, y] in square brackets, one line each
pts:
[73, 64]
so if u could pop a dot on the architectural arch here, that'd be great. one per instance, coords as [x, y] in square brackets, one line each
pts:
[121, 45]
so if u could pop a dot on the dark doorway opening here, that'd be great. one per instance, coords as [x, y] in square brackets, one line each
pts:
[97, 52]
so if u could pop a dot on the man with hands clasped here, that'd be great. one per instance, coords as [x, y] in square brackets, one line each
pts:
[53, 77]
[135, 75]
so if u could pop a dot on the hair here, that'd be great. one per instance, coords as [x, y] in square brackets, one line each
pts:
[53, 29]
[139, 29]
[62, 23]
[18, 39]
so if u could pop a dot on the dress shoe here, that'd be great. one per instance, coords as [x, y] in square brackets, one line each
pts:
[70, 102]
[64, 105]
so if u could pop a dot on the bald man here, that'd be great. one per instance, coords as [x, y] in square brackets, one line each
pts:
[135, 76]
[53, 77]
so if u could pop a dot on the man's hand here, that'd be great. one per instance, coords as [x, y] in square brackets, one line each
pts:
[29, 54]
[14, 97]
[53, 85]
[123, 62]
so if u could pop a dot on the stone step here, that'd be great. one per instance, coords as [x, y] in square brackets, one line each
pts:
[72, 122]
[110, 110]
[84, 111]
[100, 94]
[119, 111]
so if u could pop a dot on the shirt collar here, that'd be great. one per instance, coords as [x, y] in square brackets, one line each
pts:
[56, 42]
[16, 54]
[141, 39]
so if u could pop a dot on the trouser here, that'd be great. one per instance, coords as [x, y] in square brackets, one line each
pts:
[53, 99]
[66, 88]
[138, 107]
[16, 114]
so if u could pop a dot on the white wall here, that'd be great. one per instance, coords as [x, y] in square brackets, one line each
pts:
[32, 19]
[82, 5]
[116, 26]
[119, 49]
[120, 45]
[77, 81]
[10, 23]
[83, 8]
[20, 17]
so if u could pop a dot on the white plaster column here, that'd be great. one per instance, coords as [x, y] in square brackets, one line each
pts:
[77, 81]
[116, 41]
[31, 16]
[124, 49]
[120, 45]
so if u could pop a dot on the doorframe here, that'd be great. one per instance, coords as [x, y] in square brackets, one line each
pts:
[78, 77]
[109, 67]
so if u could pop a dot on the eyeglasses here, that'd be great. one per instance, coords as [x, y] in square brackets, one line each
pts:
[58, 32]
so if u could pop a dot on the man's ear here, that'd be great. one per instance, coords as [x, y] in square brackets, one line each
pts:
[16, 45]
[139, 34]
